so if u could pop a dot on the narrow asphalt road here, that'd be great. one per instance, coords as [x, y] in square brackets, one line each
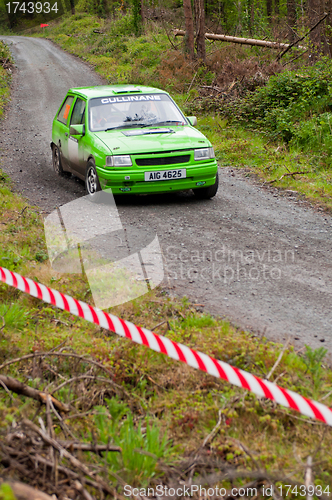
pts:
[259, 258]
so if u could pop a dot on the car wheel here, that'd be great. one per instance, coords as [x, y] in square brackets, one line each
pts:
[56, 160]
[208, 192]
[92, 184]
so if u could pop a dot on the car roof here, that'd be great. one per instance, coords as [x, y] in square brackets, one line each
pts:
[106, 90]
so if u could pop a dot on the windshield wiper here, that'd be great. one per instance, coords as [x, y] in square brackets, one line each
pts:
[143, 125]
[123, 126]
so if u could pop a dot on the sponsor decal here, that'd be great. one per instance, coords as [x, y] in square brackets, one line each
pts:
[130, 98]
[66, 113]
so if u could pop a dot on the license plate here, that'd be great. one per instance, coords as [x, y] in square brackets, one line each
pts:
[165, 175]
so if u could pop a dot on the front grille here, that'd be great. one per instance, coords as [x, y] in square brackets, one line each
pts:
[168, 160]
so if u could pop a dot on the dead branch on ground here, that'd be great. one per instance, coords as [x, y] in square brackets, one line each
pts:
[290, 174]
[18, 387]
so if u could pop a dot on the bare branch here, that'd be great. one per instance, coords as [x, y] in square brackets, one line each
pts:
[85, 377]
[278, 360]
[73, 460]
[62, 354]
[97, 448]
[18, 387]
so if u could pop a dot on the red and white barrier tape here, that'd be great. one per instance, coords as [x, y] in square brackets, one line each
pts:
[174, 350]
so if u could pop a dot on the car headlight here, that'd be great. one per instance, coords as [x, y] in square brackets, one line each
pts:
[118, 161]
[203, 154]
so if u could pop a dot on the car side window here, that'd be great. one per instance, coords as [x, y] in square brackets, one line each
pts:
[64, 111]
[77, 117]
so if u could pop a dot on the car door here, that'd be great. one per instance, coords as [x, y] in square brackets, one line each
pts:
[63, 130]
[76, 143]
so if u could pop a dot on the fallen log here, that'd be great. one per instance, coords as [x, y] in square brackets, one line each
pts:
[18, 387]
[244, 41]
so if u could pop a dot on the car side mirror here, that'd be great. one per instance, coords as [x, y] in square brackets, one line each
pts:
[192, 120]
[77, 130]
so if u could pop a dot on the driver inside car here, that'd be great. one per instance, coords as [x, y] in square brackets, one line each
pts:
[146, 114]
[99, 119]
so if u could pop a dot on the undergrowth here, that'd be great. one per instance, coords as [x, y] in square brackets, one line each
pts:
[5, 76]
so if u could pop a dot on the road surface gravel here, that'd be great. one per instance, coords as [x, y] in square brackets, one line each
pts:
[257, 256]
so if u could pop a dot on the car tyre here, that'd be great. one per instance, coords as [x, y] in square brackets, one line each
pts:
[56, 160]
[92, 184]
[208, 192]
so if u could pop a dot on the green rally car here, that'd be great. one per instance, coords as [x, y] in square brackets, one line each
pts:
[132, 139]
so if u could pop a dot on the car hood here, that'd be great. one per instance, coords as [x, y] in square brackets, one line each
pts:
[152, 139]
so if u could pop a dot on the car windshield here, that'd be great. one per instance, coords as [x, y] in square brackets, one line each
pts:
[124, 111]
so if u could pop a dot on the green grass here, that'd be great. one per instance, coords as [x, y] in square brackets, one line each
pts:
[141, 448]
[5, 77]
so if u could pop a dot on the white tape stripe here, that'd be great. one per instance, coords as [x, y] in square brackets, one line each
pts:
[87, 313]
[102, 319]
[302, 404]
[253, 384]
[9, 278]
[33, 289]
[72, 305]
[20, 282]
[118, 326]
[170, 349]
[153, 343]
[326, 412]
[188, 355]
[58, 299]
[230, 374]
[277, 393]
[135, 335]
[210, 366]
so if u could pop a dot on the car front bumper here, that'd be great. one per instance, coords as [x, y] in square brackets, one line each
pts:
[197, 176]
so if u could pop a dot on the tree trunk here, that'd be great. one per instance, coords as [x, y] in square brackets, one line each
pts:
[189, 38]
[138, 16]
[276, 7]
[291, 18]
[269, 9]
[328, 29]
[251, 11]
[315, 12]
[200, 29]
